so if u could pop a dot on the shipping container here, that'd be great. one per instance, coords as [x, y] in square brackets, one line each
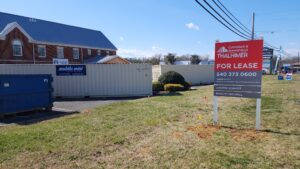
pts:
[195, 74]
[92, 80]
[20, 93]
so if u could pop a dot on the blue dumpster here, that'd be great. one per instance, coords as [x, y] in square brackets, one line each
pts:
[21, 93]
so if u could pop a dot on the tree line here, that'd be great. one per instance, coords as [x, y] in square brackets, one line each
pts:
[169, 59]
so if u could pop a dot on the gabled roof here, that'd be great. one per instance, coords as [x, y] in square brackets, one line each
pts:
[102, 59]
[56, 33]
[11, 26]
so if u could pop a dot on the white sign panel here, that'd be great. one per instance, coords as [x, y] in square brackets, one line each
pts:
[60, 61]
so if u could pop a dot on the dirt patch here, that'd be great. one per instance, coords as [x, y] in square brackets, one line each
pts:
[143, 151]
[177, 135]
[247, 135]
[204, 132]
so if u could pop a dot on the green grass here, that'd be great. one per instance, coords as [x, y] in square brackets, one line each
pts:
[153, 133]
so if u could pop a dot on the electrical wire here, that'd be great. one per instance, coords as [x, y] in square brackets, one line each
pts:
[240, 25]
[227, 13]
[233, 15]
[247, 35]
[220, 20]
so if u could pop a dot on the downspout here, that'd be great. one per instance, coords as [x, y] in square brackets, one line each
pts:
[81, 56]
[33, 53]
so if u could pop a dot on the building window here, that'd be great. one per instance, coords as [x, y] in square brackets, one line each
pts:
[107, 52]
[99, 52]
[60, 52]
[89, 52]
[75, 53]
[42, 51]
[17, 48]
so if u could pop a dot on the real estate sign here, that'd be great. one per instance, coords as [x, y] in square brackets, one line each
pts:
[238, 69]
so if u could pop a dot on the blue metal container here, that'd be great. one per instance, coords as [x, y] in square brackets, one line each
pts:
[21, 93]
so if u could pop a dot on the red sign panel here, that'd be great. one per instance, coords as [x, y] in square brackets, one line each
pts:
[237, 56]
[238, 69]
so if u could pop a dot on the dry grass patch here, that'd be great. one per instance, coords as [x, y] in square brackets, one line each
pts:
[207, 132]
[204, 132]
[247, 134]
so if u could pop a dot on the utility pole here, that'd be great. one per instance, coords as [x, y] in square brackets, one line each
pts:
[253, 20]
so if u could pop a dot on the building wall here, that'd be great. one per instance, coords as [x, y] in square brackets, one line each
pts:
[101, 80]
[6, 52]
[196, 74]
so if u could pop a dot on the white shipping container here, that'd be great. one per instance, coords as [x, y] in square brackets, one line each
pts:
[101, 80]
[196, 74]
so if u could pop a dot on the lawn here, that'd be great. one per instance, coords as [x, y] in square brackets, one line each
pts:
[169, 131]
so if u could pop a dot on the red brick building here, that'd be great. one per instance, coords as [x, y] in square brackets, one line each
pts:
[26, 40]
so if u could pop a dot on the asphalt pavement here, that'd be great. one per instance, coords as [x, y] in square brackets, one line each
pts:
[83, 104]
[61, 108]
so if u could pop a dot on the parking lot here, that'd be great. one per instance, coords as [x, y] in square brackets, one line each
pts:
[61, 108]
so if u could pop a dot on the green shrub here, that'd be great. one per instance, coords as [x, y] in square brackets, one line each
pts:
[187, 85]
[157, 86]
[171, 77]
[173, 87]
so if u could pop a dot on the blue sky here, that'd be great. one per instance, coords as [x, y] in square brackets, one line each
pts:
[142, 28]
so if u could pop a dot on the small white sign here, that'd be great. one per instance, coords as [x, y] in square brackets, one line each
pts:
[6, 85]
[60, 61]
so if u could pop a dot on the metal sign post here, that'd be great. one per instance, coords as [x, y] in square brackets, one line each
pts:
[215, 110]
[258, 107]
[238, 73]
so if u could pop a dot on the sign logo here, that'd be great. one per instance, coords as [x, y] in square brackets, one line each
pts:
[222, 50]
[70, 70]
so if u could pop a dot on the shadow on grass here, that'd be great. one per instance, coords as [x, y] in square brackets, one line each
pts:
[60, 99]
[281, 133]
[265, 130]
[32, 117]
[168, 94]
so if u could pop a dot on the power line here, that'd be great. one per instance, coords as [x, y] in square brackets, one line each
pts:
[227, 13]
[236, 31]
[233, 15]
[220, 20]
[247, 35]
[239, 24]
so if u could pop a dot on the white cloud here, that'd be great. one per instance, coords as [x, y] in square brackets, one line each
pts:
[192, 26]
[157, 48]
[121, 39]
[135, 53]
[292, 51]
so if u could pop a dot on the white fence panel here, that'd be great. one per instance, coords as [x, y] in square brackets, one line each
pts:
[115, 80]
[196, 74]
